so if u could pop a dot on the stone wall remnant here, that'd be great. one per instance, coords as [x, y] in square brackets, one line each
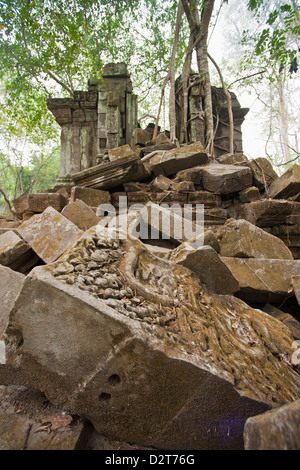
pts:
[101, 118]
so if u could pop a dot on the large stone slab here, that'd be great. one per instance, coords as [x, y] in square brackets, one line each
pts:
[274, 430]
[49, 234]
[125, 151]
[15, 253]
[176, 369]
[263, 281]
[266, 212]
[112, 174]
[207, 264]
[171, 161]
[242, 239]
[39, 202]
[157, 221]
[10, 285]
[296, 287]
[263, 172]
[28, 421]
[287, 185]
[225, 179]
[91, 197]
[81, 215]
[287, 319]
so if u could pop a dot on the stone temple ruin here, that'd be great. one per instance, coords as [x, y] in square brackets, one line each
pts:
[114, 339]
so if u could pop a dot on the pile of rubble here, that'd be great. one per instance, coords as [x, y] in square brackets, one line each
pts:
[122, 341]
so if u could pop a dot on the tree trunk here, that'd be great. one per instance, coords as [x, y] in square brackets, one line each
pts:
[229, 106]
[199, 31]
[283, 117]
[171, 76]
[172, 100]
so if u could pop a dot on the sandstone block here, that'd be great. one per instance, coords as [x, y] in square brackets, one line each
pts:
[241, 239]
[161, 183]
[29, 422]
[287, 185]
[103, 357]
[288, 320]
[225, 179]
[274, 430]
[232, 158]
[125, 151]
[183, 186]
[39, 202]
[263, 172]
[81, 215]
[249, 194]
[112, 174]
[262, 281]
[10, 285]
[15, 253]
[264, 213]
[206, 263]
[140, 137]
[172, 161]
[296, 287]
[49, 234]
[162, 222]
[91, 197]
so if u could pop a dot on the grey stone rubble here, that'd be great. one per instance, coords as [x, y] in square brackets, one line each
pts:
[111, 340]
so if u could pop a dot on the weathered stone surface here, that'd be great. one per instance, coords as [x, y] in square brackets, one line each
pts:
[10, 285]
[263, 172]
[140, 137]
[208, 199]
[242, 239]
[225, 179]
[172, 161]
[161, 138]
[161, 183]
[274, 430]
[91, 197]
[249, 195]
[125, 151]
[287, 185]
[190, 174]
[206, 238]
[21, 204]
[162, 222]
[262, 281]
[112, 174]
[264, 213]
[81, 215]
[29, 422]
[183, 186]
[288, 320]
[15, 253]
[215, 216]
[232, 158]
[49, 234]
[209, 358]
[39, 202]
[296, 287]
[206, 263]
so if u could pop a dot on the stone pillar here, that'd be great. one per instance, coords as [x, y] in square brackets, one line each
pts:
[77, 118]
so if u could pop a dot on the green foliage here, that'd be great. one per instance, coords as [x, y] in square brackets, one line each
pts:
[278, 42]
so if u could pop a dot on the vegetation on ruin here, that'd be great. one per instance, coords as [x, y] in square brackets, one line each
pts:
[50, 48]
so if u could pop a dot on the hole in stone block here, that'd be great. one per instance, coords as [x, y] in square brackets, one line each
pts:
[104, 396]
[114, 380]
